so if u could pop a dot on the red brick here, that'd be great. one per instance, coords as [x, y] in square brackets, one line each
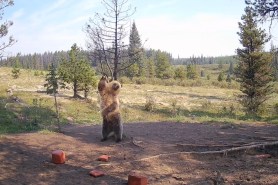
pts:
[97, 173]
[58, 157]
[104, 158]
[136, 179]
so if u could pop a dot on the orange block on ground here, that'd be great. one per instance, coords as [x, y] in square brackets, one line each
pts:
[58, 157]
[136, 179]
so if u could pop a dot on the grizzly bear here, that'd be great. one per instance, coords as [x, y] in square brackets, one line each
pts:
[110, 111]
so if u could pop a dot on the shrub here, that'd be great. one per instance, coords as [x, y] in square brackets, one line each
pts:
[263, 110]
[15, 72]
[206, 105]
[220, 77]
[208, 77]
[140, 80]
[230, 110]
[124, 80]
[36, 73]
[175, 108]
[169, 82]
[150, 103]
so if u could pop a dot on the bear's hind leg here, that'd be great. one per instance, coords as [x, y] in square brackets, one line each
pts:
[118, 130]
[105, 130]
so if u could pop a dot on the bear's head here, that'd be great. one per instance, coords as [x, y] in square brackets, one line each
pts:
[106, 87]
[114, 87]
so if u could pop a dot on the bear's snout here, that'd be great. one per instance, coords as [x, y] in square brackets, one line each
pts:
[115, 86]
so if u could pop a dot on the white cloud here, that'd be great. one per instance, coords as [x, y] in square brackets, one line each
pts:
[205, 34]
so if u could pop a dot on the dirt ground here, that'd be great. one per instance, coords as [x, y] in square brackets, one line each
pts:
[167, 153]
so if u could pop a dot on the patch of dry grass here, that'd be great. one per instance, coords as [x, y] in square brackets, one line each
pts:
[187, 97]
[171, 103]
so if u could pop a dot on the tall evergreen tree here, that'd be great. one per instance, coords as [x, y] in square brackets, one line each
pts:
[132, 71]
[162, 65]
[135, 51]
[253, 70]
[16, 69]
[150, 69]
[76, 70]
[52, 85]
[88, 79]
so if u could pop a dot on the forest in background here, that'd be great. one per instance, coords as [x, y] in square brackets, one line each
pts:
[41, 61]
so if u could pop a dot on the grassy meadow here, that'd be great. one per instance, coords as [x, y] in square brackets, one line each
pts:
[24, 105]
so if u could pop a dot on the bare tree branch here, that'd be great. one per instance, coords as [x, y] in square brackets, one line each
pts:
[106, 33]
[4, 27]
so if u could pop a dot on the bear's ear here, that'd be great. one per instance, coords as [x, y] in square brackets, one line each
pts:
[104, 77]
[102, 83]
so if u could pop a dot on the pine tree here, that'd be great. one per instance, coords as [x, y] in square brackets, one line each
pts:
[253, 70]
[77, 71]
[162, 65]
[220, 77]
[132, 71]
[180, 72]
[52, 86]
[88, 79]
[135, 51]
[150, 68]
[16, 69]
[265, 9]
[191, 72]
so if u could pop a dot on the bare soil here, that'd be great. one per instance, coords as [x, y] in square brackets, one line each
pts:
[167, 153]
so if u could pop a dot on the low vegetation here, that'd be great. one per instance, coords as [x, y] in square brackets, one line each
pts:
[25, 105]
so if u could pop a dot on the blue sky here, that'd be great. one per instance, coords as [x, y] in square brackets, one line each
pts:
[181, 27]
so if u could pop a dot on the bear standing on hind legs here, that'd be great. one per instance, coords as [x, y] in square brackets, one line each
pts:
[110, 111]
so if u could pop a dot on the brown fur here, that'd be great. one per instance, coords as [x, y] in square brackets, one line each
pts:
[110, 109]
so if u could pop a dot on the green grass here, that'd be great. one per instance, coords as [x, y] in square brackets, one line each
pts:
[182, 101]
